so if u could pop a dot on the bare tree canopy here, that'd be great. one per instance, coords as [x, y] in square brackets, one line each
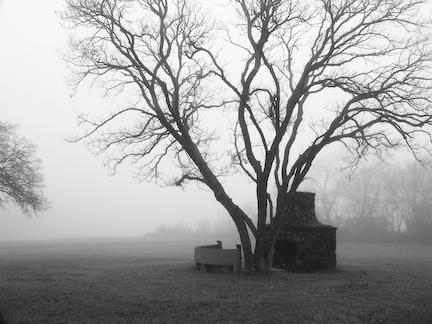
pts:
[304, 75]
[20, 179]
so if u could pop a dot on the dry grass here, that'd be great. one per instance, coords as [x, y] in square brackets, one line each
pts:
[133, 281]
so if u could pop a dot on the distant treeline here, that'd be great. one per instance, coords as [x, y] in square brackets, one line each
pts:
[204, 231]
[378, 203]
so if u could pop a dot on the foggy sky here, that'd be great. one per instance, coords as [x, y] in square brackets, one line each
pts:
[85, 200]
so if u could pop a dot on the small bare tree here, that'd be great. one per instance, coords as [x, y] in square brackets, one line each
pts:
[386, 199]
[371, 56]
[328, 182]
[20, 179]
[416, 193]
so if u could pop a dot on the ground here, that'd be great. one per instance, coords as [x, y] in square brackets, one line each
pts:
[137, 281]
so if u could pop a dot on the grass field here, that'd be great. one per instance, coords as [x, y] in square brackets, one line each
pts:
[136, 281]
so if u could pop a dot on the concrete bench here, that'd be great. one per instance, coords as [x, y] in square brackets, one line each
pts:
[211, 257]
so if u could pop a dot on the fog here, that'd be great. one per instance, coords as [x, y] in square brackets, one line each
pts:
[85, 200]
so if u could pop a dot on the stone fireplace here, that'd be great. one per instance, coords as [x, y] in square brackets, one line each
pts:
[303, 242]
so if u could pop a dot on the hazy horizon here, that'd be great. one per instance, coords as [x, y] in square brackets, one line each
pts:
[85, 200]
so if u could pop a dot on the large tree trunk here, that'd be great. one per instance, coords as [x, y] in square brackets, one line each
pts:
[260, 254]
[270, 253]
[263, 254]
[246, 245]
[262, 246]
[266, 242]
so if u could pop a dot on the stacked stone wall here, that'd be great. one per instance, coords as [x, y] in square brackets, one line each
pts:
[315, 243]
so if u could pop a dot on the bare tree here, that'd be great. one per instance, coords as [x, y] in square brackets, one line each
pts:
[20, 179]
[371, 56]
[329, 182]
[381, 200]
[416, 193]
[364, 193]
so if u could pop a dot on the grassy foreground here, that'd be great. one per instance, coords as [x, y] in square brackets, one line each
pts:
[134, 281]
